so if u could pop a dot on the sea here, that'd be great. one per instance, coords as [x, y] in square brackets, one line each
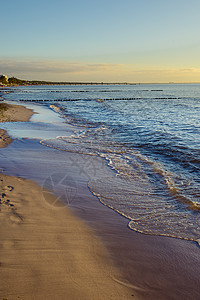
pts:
[148, 135]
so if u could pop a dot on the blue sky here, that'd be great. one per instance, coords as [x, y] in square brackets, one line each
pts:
[130, 40]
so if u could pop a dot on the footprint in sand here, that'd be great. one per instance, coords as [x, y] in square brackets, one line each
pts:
[15, 218]
[7, 203]
[8, 188]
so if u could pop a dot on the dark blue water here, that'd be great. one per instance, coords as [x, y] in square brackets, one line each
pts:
[150, 137]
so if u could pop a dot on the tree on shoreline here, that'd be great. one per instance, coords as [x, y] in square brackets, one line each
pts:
[14, 80]
[3, 79]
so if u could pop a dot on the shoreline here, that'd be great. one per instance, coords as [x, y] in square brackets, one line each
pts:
[155, 267]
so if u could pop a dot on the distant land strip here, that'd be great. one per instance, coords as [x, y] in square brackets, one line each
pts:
[13, 81]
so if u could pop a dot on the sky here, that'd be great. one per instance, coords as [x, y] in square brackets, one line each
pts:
[108, 40]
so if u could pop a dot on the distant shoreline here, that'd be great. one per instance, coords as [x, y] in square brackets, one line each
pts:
[21, 82]
[29, 83]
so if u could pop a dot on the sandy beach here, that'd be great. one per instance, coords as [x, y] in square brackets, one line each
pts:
[47, 253]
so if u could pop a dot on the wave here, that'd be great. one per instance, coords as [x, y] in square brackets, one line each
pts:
[155, 199]
[137, 176]
[148, 213]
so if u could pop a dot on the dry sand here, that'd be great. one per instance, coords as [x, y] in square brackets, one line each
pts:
[14, 113]
[45, 252]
